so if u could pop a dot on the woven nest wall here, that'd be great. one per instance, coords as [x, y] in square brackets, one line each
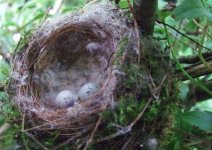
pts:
[67, 52]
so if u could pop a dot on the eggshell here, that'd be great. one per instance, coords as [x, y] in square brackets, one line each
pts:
[88, 90]
[66, 98]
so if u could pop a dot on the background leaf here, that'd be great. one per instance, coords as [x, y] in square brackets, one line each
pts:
[191, 9]
[201, 119]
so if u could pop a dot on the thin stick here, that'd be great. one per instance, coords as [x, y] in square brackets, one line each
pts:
[137, 34]
[140, 115]
[208, 34]
[165, 24]
[34, 139]
[128, 128]
[126, 144]
[23, 122]
[69, 140]
[4, 127]
[195, 71]
[90, 140]
[56, 7]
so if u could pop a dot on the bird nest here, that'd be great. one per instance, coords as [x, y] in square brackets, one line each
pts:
[68, 53]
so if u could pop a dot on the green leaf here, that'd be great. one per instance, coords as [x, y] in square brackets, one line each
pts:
[208, 44]
[203, 106]
[183, 91]
[37, 17]
[201, 119]
[124, 4]
[191, 9]
[4, 72]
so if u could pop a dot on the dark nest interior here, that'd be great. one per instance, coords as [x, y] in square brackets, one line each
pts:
[97, 46]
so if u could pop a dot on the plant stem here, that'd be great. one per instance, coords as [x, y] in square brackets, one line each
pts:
[197, 83]
[201, 48]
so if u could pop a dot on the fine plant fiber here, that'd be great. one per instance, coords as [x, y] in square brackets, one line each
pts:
[95, 44]
[64, 53]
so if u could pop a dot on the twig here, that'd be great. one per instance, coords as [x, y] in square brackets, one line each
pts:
[146, 106]
[126, 129]
[123, 131]
[35, 140]
[126, 144]
[23, 122]
[160, 22]
[68, 141]
[200, 49]
[56, 7]
[183, 42]
[153, 87]
[194, 71]
[4, 127]
[141, 49]
[89, 3]
[158, 89]
[141, 113]
[195, 58]
[46, 15]
[177, 34]
[64, 143]
[90, 140]
[208, 34]
[42, 125]
[31, 136]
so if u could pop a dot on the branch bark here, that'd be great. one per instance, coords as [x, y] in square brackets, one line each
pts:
[194, 71]
[145, 11]
[192, 59]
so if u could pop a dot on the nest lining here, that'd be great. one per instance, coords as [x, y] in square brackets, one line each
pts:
[65, 53]
[72, 63]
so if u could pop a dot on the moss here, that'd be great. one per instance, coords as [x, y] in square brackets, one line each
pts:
[121, 49]
[134, 90]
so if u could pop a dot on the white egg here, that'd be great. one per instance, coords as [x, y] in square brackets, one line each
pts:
[88, 90]
[66, 98]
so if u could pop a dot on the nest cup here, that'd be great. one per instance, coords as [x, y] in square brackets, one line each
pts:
[63, 54]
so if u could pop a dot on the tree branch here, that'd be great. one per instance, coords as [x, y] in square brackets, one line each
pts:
[194, 71]
[195, 58]
[145, 11]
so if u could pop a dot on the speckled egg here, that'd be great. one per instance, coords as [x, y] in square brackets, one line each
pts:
[66, 98]
[88, 90]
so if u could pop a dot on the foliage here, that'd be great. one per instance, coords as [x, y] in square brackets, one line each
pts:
[193, 19]
[192, 9]
[200, 119]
